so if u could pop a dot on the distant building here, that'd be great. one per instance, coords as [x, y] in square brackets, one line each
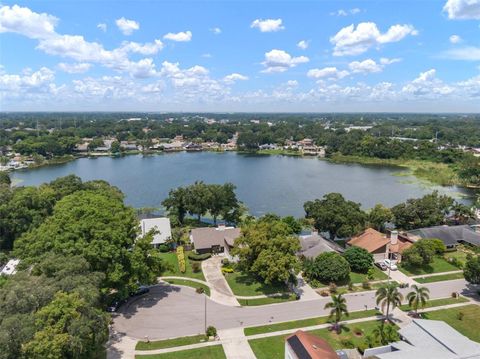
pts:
[302, 345]
[214, 240]
[11, 267]
[313, 244]
[161, 224]
[427, 339]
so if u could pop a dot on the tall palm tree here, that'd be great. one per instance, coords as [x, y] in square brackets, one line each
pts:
[338, 307]
[388, 295]
[418, 297]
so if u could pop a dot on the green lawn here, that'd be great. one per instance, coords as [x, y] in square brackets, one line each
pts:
[170, 343]
[360, 277]
[438, 265]
[190, 283]
[268, 300]
[171, 259]
[305, 323]
[437, 303]
[212, 352]
[468, 326]
[247, 285]
[439, 278]
[274, 347]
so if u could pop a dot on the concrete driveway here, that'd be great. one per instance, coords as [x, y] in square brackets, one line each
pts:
[169, 311]
[220, 291]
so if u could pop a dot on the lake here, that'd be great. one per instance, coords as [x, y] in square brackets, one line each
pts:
[278, 184]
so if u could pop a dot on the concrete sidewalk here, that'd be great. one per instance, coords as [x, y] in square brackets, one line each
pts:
[306, 292]
[235, 344]
[435, 274]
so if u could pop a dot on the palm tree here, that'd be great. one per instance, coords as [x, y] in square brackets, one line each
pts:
[337, 306]
[418, 297]
[388, 295]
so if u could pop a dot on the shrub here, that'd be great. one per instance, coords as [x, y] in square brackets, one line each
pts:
[471, 270]
[330, 267]
[198, 257]
[200, 290]
[225, 262]
[324, 293]
[211, 331]
[371, 273]
[347, 343]
[350, 285]
[196, 267]
[332, 287]
[164, 248]
[456, 262]
[227, 270]
[460, 315]
[181, 259]
[366, 284]
[359, 259]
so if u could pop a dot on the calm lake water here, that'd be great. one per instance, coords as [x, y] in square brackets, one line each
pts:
[276, 184]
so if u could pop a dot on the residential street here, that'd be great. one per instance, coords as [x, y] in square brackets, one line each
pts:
[168, 311]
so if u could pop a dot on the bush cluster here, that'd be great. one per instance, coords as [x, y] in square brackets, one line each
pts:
[198, 257]
[181, 259]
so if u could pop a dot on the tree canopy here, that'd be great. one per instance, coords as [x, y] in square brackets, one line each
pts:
[359, 259]
[327, 267]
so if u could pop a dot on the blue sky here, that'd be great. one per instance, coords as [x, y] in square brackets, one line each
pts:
[312, 56]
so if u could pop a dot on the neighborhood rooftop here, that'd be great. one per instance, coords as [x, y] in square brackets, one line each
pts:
[161, 225]
[450, 235]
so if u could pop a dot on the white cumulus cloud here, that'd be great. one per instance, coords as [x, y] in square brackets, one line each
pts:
[268, 25]
[327, 73]
[353, 40]
[149, 48]
[102, 26]
[232, 78]
[77, 68]
[127, 27]
[183, 36]
[455, 39]
[22, 20]
[216, 30]
[467, 53]
[462, 9]
[280, 61]
[303, 44]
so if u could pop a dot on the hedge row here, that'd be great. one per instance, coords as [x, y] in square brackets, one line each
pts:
[181, 259]
[198, 257]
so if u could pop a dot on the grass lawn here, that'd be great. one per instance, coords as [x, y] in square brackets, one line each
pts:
[439, 278]
[247, 285]
[270, 300]
[190, 283]
[360, 277]
[274, 347]
[438, 265]
[171, 259]
[437, 303]
[212, 352]
[468, 326]
[305, 323]
[170, 343]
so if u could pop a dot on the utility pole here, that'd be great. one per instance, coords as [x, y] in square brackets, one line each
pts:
[205, 313]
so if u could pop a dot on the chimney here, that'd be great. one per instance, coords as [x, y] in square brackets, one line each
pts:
[393, 237]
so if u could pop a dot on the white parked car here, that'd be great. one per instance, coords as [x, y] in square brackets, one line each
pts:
[390, 264]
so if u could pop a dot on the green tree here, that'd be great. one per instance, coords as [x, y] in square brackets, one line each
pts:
[472, 270]
[359, 259]
[379, 216]
[388, 296]
[385, 333]
[418, 297]
[198, 199]
[328, 267]
[338, 307]
[295, 225]
[5, 178]
[268, 248]
[176, 203]
[115, 147]
[423, 252]
[222, 201]
[335, 215]
[462, 213]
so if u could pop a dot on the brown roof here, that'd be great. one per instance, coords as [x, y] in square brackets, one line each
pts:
[308, 346]
[400, 246]
[370, 239]
[205, 238]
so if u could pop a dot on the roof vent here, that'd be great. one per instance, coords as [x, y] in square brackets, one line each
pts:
[314, 346]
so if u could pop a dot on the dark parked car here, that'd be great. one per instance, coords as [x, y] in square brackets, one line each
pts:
[112, 308]
[381, 265]
[141, 290]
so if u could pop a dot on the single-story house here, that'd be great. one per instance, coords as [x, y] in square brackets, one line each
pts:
[214, 240]
[161, 225]
[451, 236]
[313, 244]
[302, 345]
[382, 246]
[427, 339]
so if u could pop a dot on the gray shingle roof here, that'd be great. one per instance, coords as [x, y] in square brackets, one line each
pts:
[450, 235]
[313, 245]
[205, 238]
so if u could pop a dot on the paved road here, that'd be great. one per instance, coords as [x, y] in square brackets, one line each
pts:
[169, 311]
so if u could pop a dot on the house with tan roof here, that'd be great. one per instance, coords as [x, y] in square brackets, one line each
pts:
[214, 240]
[382, 246]
[302, 345]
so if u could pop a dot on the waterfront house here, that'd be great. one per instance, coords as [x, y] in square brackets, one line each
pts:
[313, 244]
[214, 240]
[303, 345]
[427, 339]
[162, 227]
[451, 236]
[382, 246]
[11, 267]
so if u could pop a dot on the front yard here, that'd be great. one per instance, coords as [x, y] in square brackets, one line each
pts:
[269, 300]
[440, 278]
[190, 283]
[467, 325]
[246, 284]
[438, 265]
[274, 347]
[171, 259]
[170, 343]
[436, 303]
[211, 352]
